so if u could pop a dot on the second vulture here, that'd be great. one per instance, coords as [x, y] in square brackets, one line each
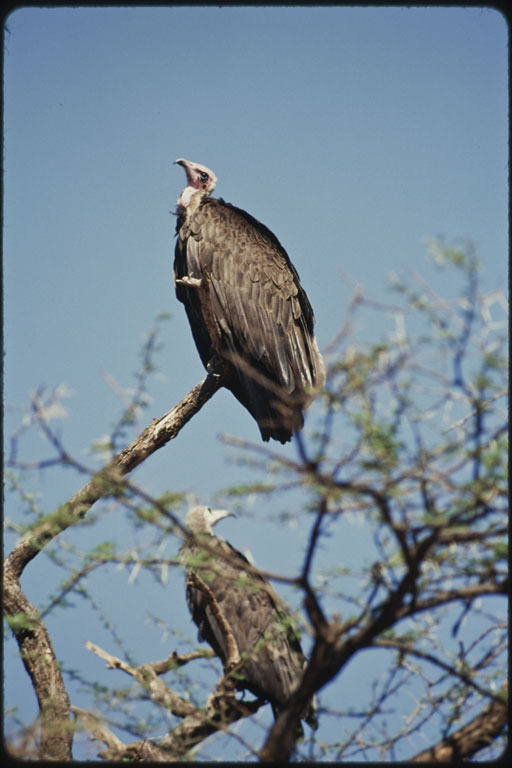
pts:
[262, 628]
[247, 309]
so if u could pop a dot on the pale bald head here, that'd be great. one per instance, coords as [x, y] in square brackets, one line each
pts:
[202, 519]
[200, 179]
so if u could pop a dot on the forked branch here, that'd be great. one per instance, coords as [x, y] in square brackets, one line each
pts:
[29, 630]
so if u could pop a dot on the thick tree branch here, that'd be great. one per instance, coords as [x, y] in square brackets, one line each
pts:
[222, 709]
[221, 712]
[29, 630]
[471, 738]
[104, 482]
[56, 736]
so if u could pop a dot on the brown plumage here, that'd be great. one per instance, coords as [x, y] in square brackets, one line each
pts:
[264, 632]
[246, 307]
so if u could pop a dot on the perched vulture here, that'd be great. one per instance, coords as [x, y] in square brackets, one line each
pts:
[263, 630]
[246, 307]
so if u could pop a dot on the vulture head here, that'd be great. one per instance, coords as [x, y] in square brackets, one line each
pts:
[202, 519]
[200, 182]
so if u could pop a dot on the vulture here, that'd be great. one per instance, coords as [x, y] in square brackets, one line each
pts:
[263, 630]
[249, 315]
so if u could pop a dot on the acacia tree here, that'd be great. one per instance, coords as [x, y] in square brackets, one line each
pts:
[410, 448]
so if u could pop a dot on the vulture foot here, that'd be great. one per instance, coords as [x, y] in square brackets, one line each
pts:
[216, 365]
[190, 282]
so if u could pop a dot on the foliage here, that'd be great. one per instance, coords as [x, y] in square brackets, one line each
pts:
[406, 456]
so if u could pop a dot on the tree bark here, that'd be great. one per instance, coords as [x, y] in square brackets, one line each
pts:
[37, 654]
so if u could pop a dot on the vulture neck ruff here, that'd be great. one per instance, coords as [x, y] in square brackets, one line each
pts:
[190, 199]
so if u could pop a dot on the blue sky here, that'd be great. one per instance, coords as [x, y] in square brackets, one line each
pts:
[353, 133]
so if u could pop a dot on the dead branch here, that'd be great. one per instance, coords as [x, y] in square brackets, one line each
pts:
[222, 709]
[97, 728]
[105, 482]
[175, 746]
[158, 691]
[29, 630]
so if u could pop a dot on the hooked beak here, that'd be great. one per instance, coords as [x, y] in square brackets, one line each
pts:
[220, 514]
[191, 180]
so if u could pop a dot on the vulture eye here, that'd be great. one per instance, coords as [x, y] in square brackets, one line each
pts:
[203, 176]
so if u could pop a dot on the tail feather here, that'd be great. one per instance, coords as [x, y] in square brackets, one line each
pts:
[277, 417]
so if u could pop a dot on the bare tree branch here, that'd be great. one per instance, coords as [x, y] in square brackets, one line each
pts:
[332, 648]
[471, 738]
[155, 436]
[38, 656]
[158, 691]
[29, 630]
[462, 674]
[179, 660]
[221, 710]
[433, 501]
[97, 728]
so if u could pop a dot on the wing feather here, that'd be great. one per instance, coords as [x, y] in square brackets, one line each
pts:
[258, 619]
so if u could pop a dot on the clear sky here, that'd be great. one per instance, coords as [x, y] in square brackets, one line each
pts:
[354, 134]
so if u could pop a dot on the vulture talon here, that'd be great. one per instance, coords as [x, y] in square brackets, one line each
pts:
[191, 282]
[215, 366]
